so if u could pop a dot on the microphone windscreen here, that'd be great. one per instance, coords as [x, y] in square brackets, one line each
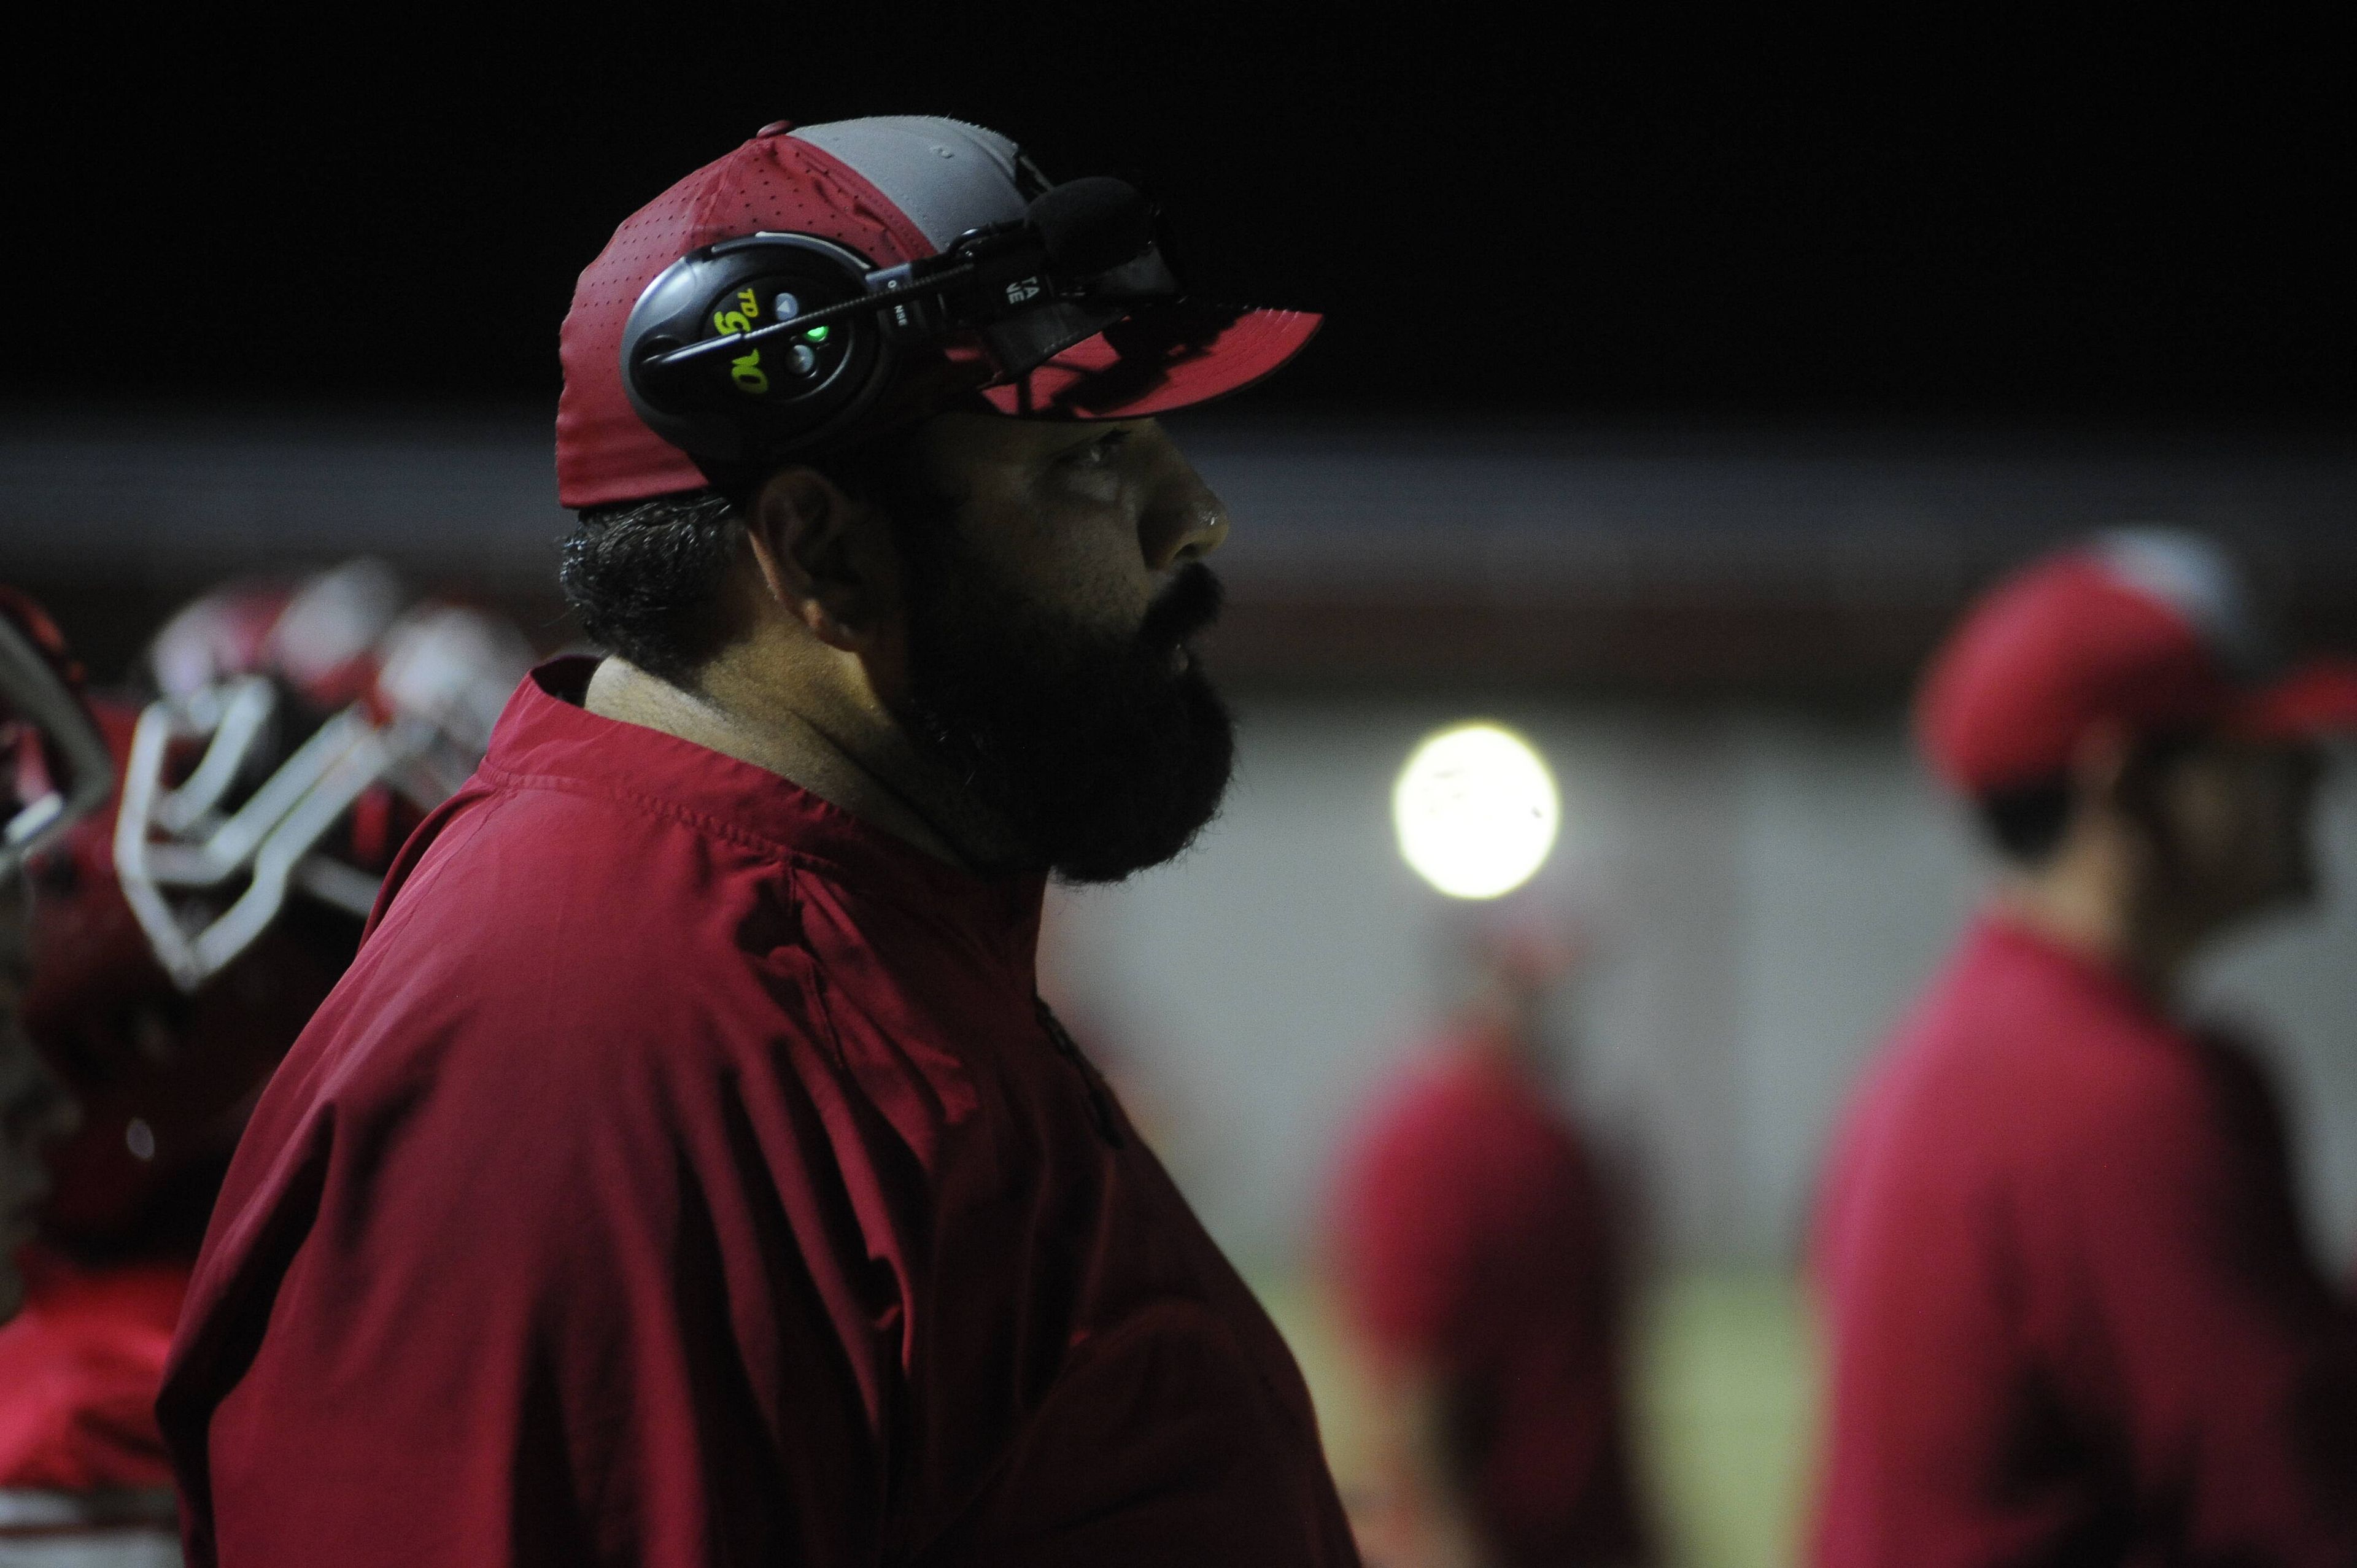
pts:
[1093, 225]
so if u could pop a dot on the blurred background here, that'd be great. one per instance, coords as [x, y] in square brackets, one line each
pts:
[1681, 379]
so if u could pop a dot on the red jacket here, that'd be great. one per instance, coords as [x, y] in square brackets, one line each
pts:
[686, 1173]
[1470, 1237]
[2072, 1316]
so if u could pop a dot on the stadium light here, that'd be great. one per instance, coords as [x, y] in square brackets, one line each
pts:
[1476, 810]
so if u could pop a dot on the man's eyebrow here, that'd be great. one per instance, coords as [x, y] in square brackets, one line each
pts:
[1064, 451]
[1099, 435]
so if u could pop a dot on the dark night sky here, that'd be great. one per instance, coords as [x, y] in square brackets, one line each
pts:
[2001, 225]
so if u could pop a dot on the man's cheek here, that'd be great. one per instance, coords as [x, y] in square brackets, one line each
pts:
[1097, 593]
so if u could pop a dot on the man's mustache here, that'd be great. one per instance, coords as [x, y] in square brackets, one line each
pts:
[1190, 602]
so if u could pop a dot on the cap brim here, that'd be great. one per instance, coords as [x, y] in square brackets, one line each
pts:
[2315, 701]
[1094, 380]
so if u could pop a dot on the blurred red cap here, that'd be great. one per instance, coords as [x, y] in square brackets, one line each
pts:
[894, 188]
[2147, 628]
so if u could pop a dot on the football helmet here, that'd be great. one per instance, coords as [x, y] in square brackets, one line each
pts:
[297, 733]
[53, 767]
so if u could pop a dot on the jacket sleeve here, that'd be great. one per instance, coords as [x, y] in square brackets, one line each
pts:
[2230, 1361]
[577, 1303]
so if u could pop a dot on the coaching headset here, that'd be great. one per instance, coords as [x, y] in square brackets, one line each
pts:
[750, 350]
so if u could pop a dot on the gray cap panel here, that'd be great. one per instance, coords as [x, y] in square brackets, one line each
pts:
[946, 175]
[2196, 577]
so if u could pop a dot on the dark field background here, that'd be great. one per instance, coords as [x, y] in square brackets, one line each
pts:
[2117, 219]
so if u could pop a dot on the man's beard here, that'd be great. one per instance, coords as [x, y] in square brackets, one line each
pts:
[1100, 753]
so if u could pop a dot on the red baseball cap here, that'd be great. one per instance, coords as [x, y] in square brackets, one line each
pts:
[894, 188]
[2149, 629]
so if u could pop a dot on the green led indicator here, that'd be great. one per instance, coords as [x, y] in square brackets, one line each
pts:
[816, 334]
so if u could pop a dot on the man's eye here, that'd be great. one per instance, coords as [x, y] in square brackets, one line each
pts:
[1097, 453]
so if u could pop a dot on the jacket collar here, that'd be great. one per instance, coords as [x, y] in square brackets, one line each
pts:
[545, 737]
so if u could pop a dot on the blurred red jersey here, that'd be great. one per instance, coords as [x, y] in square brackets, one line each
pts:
[83, 1467]
[1470, 1239]
[2072, 1316]
[685, 1173]
[79, 1369]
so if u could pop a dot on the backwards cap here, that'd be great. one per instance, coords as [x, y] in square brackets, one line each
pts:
[895, 189]
[2147, 628]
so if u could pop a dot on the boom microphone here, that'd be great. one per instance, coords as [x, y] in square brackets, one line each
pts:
[1090, 226]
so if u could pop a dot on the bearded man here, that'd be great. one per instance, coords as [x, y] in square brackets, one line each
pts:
[686, 1172]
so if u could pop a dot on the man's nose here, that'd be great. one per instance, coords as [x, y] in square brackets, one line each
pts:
[1185, 519]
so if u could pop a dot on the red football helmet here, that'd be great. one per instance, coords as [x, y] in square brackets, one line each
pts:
[300, 731]
[53, 766]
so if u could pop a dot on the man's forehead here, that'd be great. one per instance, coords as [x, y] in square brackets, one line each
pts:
[988, 431]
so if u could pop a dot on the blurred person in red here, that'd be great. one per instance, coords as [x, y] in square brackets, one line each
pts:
[183, 934]
[687, 1170]
[53, 770]
[1473, 1259]
[2072, 1315]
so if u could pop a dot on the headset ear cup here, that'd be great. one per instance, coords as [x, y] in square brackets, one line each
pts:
[734, 414]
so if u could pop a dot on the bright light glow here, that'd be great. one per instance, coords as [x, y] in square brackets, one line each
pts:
[1476, 810]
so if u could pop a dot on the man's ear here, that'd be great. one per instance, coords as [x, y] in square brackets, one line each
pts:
[825, 558]
[2121, 776]
[2102, 759]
